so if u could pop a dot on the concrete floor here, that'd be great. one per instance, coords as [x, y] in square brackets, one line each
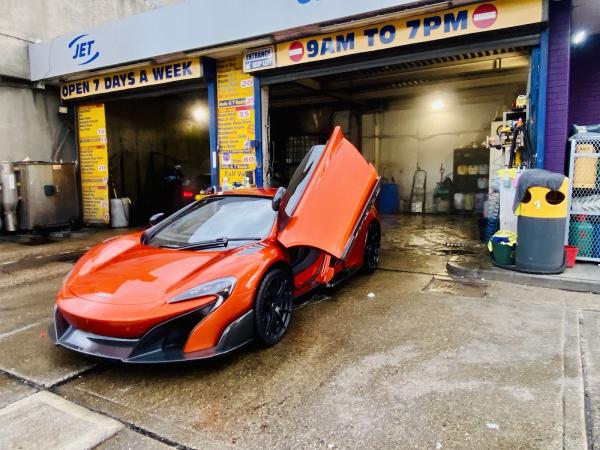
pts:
[428, 362]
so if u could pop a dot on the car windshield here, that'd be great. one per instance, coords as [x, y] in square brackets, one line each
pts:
[234, 218]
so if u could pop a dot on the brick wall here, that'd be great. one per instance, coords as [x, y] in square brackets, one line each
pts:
[584, 105]
[557, 104]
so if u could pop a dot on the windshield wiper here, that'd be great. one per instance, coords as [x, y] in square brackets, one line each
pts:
[245, 239]
[220, 242]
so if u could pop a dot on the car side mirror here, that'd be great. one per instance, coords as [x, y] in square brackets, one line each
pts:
[156, 218]
[276, 202]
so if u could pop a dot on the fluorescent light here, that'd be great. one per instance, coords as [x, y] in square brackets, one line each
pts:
[438, 104]
[578, 37]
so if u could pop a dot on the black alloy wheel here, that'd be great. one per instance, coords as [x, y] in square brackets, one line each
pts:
[273, 307]
[372, 244]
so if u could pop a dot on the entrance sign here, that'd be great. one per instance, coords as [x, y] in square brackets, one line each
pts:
[259, 58]
[235, 123]
[150, 75]
[93, 163]
[459, 21]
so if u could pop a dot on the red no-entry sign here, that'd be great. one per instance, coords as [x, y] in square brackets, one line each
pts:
[296, 51]
[485, 16]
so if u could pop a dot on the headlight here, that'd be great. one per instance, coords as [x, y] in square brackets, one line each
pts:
[222, 288]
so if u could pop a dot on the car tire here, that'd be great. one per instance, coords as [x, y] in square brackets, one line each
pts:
[372, 247]
[273, 307]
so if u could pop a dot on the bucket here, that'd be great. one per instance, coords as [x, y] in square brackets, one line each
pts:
[503, 254]
[571, 255]
[119, 212]
[459, 201]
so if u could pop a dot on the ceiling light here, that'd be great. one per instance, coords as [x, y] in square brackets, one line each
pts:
[200, 113]
[438, 104]
[578, 37]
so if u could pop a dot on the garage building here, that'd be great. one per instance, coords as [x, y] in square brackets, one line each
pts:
[419, 87]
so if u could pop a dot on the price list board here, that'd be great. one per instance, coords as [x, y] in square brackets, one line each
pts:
[93, 162]
[235, 123]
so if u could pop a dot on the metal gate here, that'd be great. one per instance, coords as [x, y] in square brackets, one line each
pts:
[583, 230]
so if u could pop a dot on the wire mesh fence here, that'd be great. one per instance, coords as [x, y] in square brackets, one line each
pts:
[584, 205]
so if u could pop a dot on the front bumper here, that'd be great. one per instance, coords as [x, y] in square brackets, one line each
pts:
[163, 343]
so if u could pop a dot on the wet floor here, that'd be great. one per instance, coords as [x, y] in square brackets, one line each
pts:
[431, 235]
[423, 243]
[403, 358]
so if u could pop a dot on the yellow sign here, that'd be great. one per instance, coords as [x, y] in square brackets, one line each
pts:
[95, 203]
[149, 75]
[460, 21]
[93, 163]
[235, 122]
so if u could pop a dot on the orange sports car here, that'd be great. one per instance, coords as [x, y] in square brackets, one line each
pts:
[224, 270]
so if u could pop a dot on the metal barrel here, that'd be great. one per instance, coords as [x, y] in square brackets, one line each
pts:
[9, 197]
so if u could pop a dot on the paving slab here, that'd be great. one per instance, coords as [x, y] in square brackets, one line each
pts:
[47, 421]
[590, 327]
[12, 390]
[31, 355]
[130, 440]
[21, 306]
[405, 368]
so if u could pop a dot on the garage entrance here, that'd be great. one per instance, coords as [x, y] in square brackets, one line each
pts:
[425, 125]
[158, 150]
[402, 117]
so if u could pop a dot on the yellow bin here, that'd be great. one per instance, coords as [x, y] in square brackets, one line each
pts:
[541, 230]
[543, 203]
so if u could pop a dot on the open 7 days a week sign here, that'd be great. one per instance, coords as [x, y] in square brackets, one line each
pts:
[150, 75]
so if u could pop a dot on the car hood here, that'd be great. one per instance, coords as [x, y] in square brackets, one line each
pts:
[128, 273]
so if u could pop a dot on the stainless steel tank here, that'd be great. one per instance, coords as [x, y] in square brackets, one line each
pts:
[9, 197]
[48, 194]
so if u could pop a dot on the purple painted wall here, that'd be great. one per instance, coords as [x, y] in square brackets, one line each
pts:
[557, 104]
[584, 105]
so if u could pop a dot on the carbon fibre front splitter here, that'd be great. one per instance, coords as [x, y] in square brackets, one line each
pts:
[162, 344]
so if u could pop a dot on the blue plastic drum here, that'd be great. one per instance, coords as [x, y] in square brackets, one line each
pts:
[388, 198]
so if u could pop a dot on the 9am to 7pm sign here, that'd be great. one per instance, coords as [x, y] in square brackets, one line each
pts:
[469, 19]
[149, 75]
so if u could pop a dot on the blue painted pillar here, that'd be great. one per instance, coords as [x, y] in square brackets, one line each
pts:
[210, 75]
[541, 55]
[258, 132]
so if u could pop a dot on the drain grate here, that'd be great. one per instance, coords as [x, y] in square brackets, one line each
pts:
[449, 286]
